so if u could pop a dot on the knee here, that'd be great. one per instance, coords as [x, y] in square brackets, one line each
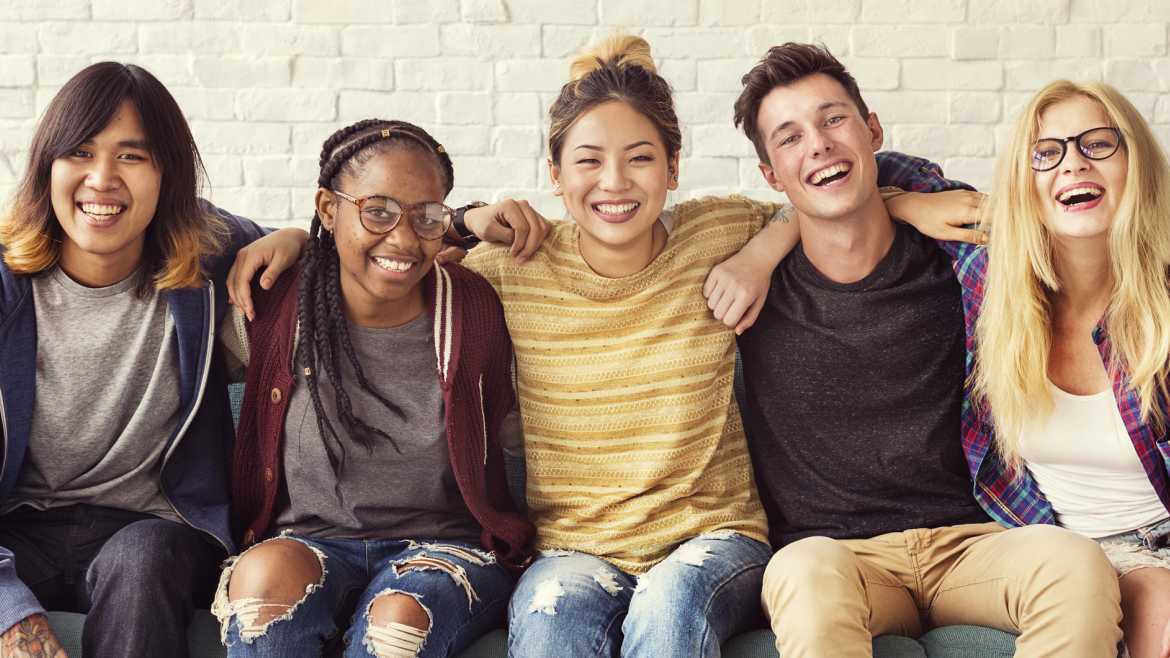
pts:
[398, 626]
[808, 562]
[1063, 558]
[276, 569]
[400, 609]
[151, 546]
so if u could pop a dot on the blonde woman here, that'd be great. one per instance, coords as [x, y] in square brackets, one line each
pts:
[1068, 314]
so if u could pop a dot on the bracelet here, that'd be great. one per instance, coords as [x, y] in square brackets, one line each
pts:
[461, 228]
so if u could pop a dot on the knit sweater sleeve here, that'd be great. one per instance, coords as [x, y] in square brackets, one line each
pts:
[233, 336]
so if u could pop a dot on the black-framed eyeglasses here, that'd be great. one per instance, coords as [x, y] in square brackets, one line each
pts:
[1094, 144]
[380, 214]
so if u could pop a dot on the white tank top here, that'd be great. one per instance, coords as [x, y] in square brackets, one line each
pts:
[1085, 463]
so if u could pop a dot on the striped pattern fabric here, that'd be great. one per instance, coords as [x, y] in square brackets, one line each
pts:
[633, 438]
[1014, 499]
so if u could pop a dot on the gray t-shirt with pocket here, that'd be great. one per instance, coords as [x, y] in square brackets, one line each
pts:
[385, 495]
[108, 394]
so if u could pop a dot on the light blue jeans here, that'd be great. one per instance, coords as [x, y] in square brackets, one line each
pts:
[464, 593]
[1144, 547]
[570, 604]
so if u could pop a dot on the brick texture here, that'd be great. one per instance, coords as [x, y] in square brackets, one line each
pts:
[264, 82]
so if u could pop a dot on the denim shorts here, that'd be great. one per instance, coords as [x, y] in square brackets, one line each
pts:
[1141, 548]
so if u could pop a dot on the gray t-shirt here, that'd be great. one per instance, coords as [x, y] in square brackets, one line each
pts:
[384, 495]
[107, 398]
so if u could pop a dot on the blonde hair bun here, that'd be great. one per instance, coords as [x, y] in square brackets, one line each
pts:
[621, 49]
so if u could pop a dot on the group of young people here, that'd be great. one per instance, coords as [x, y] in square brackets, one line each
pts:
[947, 425]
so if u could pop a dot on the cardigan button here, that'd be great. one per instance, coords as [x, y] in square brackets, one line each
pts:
[268, 474]
[248, 537]
[276, 396]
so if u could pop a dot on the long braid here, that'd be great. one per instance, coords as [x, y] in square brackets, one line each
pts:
[323, 327]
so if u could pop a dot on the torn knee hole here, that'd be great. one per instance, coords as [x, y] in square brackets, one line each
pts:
[254, 616]
[398, 625]
[424, 562]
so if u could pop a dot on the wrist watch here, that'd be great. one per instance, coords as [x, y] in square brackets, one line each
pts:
[461, 228]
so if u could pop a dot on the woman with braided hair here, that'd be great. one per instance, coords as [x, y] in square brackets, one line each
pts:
[368, 477]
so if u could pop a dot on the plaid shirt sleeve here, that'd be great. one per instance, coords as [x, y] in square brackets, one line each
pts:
[1010, 497]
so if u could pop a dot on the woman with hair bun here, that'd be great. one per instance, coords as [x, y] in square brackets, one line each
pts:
[651, 534]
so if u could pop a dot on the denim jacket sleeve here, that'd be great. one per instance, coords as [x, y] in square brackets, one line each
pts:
[16, 600]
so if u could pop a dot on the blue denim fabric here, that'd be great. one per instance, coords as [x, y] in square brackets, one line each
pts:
[462, 605]
[1154, 538]
[570, 604]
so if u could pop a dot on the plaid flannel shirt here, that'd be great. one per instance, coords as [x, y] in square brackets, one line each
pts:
[1014, 499]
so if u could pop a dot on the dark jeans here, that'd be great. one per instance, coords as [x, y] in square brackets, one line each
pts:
[139, 578]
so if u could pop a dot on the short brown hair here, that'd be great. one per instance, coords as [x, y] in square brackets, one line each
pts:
[181, 232]
[620, 69]
[782, 66]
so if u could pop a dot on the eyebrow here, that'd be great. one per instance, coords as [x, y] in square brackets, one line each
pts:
[631, 146]
[822, 108]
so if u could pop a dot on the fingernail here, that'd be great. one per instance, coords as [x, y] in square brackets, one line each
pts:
[264, 283]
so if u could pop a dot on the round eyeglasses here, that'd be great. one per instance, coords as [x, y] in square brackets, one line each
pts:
[1095, 144]
[380, 214]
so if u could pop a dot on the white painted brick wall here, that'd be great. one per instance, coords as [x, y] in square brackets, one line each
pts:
[264, 82]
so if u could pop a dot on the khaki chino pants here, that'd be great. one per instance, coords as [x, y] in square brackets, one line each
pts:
[1053, 587]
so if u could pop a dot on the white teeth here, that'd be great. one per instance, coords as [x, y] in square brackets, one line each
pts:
[829, 171]
[615, 208]
[392, 265]
[99, 209]
[1095, 191]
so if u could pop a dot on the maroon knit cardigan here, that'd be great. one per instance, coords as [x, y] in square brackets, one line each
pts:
[474, 367]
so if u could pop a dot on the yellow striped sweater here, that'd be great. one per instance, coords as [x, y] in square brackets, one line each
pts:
[632, 435]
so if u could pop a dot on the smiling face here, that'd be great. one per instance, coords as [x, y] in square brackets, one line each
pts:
[821, 148]
[104, 194]
[380, 274]
[614, 174]
[1080, 196]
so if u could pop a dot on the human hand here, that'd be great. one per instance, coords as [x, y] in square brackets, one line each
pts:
[275, 251]
[941, 215]
[509, 222]
[450, 254]
[736, 289]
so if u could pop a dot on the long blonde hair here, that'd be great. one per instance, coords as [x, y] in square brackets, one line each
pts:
[1013, 333]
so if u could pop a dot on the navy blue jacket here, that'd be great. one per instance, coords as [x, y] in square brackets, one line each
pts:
[196, 471]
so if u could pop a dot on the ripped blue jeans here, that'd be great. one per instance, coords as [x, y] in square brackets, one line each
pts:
[570, 604]
[461, 587]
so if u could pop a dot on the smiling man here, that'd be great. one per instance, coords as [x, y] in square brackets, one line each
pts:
[854, 374]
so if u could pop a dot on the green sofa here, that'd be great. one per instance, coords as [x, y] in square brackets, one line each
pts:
[948, 642]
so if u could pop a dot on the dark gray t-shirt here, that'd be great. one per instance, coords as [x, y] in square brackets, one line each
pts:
[854, 395]
[384, 495]
[108, 392]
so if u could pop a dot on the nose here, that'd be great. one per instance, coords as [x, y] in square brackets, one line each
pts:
[819, 142]
[102, 175]
[403, 234]
[613, 176]
[1074, 160]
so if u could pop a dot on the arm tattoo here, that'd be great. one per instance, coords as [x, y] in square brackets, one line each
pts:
[31, 637]
[782, 214]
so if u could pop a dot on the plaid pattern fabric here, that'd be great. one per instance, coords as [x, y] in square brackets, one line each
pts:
[1013, 499]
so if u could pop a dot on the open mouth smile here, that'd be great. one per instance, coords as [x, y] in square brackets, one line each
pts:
[391, 265]
[100, 212]
[616, 211]
[830, 174]
[1080, 196]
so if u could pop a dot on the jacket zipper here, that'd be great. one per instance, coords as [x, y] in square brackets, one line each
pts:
[3, 434]
[190, 418]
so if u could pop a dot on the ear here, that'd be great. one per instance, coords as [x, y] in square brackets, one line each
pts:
[877, 135]
[554, 175]
[326, 204]
[770, 176]
[672, 177]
